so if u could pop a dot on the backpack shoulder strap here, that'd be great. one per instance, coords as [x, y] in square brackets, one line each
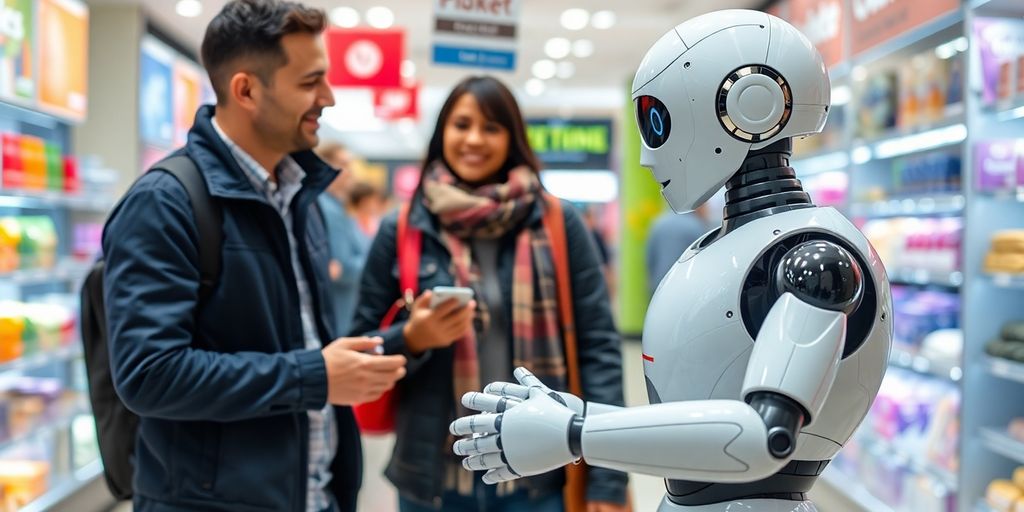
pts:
[209, 218]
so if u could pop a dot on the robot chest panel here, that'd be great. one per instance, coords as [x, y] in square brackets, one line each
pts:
[695, 344]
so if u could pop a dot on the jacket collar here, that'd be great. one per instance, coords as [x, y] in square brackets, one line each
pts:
[224, 178]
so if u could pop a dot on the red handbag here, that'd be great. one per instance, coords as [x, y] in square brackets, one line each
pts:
[378, 417]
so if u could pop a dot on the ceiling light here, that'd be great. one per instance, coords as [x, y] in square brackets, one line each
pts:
[380, 17]
[859, 73]
[189, 8]
[557, 48]
[583, 48]
[408, 68]
[344, 17]
[575, 19]
[534, 87]
[602, 20]
[544, 69]
[565, 70]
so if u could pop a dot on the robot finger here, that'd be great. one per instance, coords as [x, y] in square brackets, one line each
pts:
[528, 379]
[486, 461]
[508, 389]
[499, 475]
[476, 424]
[477, 445]
[488, 403]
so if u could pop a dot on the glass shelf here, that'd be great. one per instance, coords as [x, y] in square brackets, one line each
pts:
[1004, 280]
[1006, 369]
[925, 277]
[911, 206]
[850, 487]
[67, 270]
[1001, 443]
[44, 199]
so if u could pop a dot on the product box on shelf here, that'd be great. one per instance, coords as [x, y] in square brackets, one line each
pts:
[995, 165]
[1000, 43]
[877, 98]
[31, 163]
[1007, 253]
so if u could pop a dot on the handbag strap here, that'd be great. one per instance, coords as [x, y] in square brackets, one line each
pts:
[554, 223]
[408, 248]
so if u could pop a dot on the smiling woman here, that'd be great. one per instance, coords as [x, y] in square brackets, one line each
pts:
[484, 216]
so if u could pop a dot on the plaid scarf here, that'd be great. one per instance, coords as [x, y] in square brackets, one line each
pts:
[491, 211]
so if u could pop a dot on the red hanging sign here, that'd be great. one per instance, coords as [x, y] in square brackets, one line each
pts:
[874, 22]
[365, 57]
[397, 102]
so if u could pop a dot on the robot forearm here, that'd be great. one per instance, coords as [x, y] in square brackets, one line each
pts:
[719, 440]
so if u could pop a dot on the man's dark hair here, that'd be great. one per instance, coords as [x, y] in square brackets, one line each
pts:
[250, 31]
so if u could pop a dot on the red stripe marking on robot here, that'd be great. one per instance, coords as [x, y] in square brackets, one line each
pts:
[648, 358]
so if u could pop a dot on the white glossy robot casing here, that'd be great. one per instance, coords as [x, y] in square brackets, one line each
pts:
[694, 349]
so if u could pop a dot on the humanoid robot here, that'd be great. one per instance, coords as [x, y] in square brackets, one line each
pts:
[766, 343]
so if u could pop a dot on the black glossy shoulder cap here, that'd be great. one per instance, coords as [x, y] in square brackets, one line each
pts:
[823, 275]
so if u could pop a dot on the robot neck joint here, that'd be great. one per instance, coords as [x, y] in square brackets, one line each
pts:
[764, 185]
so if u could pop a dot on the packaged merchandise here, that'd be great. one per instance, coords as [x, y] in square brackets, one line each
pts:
[1010, 343]
[1002, 495]
[33, 159]
[827, 188]
[995, 164]
[1007, 252]
[878, 105]
[1016, 431]
[38, 247]
[10, 239]
[13, 169]
[912, 243]
[22, 481]
[1000, 43]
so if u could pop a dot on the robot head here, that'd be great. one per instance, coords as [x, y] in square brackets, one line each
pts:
[718, 86]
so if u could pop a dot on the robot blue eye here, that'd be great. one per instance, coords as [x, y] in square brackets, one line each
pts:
[654, 121]
[656, 124]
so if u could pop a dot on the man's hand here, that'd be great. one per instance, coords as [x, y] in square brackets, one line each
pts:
[438, 327]
[529, 435]
[355, 374]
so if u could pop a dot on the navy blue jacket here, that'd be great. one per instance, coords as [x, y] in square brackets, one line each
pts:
[425, 395]
[222, 390]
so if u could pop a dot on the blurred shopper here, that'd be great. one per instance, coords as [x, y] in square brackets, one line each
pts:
[234, 391]
[479, 207]
[368, 204]
[603, 251]
[669, 238]
[349, 245]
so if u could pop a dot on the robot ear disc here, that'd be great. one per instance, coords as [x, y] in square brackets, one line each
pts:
[653, 118]
[754, 103]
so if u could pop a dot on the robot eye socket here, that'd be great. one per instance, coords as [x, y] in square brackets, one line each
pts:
[654, 121]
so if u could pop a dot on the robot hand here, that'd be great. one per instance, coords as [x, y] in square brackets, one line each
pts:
[529, 435]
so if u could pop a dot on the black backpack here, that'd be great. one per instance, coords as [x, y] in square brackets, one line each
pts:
[115, 425]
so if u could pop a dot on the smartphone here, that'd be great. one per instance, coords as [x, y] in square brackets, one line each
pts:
[443, 293]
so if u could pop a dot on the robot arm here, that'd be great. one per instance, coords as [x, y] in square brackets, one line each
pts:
[791, 370]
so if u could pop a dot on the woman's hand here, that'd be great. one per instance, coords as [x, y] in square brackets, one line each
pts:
[438, 327]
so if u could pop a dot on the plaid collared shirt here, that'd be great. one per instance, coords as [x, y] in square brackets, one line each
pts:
[322, 427]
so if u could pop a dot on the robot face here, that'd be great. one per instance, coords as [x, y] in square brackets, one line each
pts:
[716, 87]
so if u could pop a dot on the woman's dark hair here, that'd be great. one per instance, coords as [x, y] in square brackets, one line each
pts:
[497, 104]
[248, 33]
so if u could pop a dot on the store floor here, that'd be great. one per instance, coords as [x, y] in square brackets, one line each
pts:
[378, 495]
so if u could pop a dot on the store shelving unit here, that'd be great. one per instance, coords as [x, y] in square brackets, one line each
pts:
[46, 415]
[990, 384]
[873, 163]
